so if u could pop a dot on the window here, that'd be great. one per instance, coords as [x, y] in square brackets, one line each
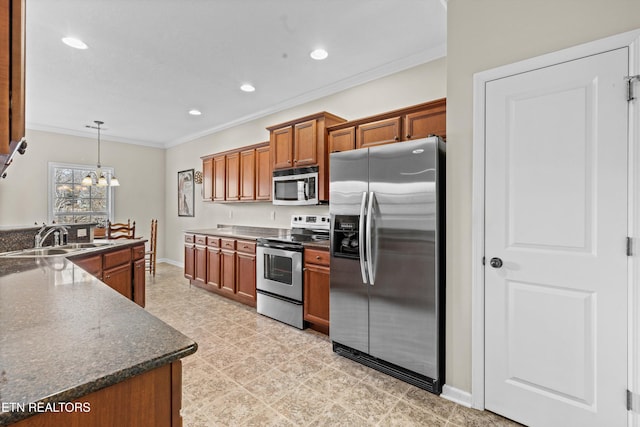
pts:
[71, 202]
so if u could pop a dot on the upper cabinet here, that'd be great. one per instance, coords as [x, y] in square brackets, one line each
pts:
[418, 121]
[243, 174]
[12, 79]
[301, 142]
[304, 142]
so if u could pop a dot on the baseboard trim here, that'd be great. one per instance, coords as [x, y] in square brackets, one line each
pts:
[170, 261]
[456, 395]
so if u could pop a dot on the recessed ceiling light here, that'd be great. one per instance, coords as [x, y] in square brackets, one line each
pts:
[319, 54]
[247, 87]
[75, 43]
[195, 112]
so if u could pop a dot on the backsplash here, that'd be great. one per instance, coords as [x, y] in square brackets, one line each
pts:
[13, 239]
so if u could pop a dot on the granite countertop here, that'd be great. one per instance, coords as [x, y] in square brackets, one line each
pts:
[66, 334]
[242, 232]
[323, 245]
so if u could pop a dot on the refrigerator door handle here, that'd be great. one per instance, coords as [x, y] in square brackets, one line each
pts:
[369, 228]
[361, 238]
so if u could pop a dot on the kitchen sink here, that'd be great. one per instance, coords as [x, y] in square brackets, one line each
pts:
[39, 252]
[86, 245]
[70, 248]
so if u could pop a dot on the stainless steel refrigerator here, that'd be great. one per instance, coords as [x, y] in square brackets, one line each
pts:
[387, 206]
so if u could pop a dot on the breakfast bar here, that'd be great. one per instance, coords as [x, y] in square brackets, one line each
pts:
[75, 351]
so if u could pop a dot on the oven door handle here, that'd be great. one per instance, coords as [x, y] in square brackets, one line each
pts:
[291, 248]
[361, 238]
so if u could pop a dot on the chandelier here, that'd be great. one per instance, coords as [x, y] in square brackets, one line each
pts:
[100, 180]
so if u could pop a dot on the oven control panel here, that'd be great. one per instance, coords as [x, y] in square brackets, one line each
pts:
[320, 222]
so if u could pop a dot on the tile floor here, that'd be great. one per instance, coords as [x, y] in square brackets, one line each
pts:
[250, 370]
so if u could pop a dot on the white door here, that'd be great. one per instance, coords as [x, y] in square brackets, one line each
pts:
[556, 217]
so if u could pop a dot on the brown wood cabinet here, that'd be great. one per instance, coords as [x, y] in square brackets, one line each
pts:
[150, 399]
[233, 177]
[304, 142]
[378, 133]
[417, 121]
[263, 173]
[190, 256]
[316, 289]
[219, 178]
[228, 265]
[213, 261]
[248, 174]
[116, 271]
[207, 178]
[342, 139]
[12, 73]
[200, 261]
[119, 278]
[91, 264]
[139, 274]
[246, 271]
[120, 268]
[282, 147]
[238, 175]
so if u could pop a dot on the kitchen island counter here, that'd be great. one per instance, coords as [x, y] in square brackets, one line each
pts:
[65, 334]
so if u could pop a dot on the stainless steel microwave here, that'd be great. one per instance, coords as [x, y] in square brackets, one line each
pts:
[297, 186]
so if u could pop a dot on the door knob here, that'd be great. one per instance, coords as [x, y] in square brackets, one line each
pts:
[495, 262]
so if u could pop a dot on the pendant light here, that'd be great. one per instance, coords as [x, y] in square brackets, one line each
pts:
[101, 181]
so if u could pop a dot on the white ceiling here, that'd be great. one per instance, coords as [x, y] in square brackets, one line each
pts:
[150, 61]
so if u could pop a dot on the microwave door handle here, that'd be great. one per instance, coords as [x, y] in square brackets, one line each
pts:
[361, 238]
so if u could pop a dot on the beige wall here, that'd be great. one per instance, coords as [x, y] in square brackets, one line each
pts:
[482, 35]
[416, 85]
[141, 196]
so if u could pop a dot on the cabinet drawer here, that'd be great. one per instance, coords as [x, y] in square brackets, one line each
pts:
[115, 258]
[138, 252]
[92, 264]
[314, 256]
[228, 244]
[189, 238]
[214, 242]
[246, 246]
[200, 239]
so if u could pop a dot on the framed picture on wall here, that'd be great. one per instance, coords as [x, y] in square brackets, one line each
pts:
[185, 193]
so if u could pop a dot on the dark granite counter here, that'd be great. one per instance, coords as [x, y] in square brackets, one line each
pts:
[323, 245]
[65, 334]
[241, 232]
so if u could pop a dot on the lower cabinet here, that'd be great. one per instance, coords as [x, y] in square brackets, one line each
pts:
[122, 269]
[316, 289]
[150, 399]
[224, 266]
[119, 278]
[246, 277]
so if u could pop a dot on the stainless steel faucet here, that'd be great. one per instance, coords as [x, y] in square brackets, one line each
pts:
[54, 228]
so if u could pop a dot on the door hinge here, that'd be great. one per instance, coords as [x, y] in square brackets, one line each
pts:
[633, 402]
[630, 80]
[629, 246]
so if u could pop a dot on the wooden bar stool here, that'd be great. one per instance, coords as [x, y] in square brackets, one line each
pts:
[150, 255]
[121, 230]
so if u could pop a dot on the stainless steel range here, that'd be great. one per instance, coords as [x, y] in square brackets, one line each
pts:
[279, 269]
